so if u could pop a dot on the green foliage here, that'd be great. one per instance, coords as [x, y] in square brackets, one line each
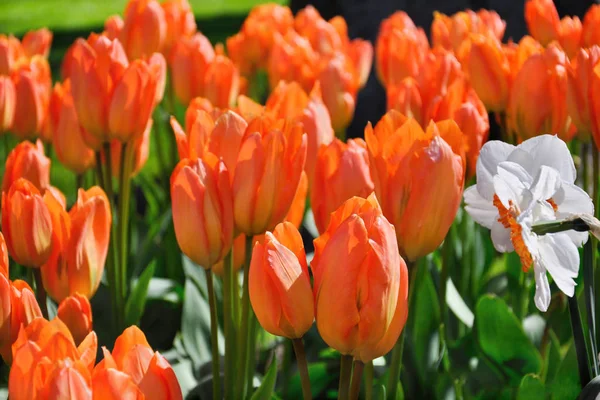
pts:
[137, 300]
[265, 390]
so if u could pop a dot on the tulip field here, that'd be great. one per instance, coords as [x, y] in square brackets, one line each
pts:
[186, 215]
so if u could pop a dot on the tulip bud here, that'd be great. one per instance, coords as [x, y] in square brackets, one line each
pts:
[75, 311]
[144, 29]
[361, 54]
[435, 159]
[342, 172]
[27, 160]
[7, 103]
[569, 35]
[10, 52]
[580, 74]
[81, 240]
[202, 209]
[279, 283]
[590, 35]
[67, 134]
[339, 88]
[221, 82]
[406, 98]
[239, 256]
[542, 20]
[37, 43]
[113, 26]
[26, 224]
[269, 165]
[189, 61]
[3, 257]
[358, 254]
[292, 59]
[32, 88]
[180, 22]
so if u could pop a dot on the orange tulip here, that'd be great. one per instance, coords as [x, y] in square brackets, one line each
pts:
[7, 103]
[489, 72]
[202, 209]
[80, 246]
[239, 256]
[269, 166]
[518, 54]
[401, 48]
[37, 43]
[75, 311]
[594, 103]
[17, 308]
[537, 103]
[323, 36]
[11, 51]
[569, 35]
[435, 159]
[27, 223]
[590, 35]
[113, 26]
[3, 256]
[115, 108]
[200, 104]
[451, 32]
[221, 82]
[68, 137]
[405, 97]
[141, 152]
[580, 74]
[295, 215]
[27, 160]
[342, 172]
[32, 87]
[339, 88]
[141, 368]
[542, 20]
[279, 284]
[293, 59]
[358, 254]
[47, 364]
[144, 29]
[250, 48]
[180, 22]
[189, 61]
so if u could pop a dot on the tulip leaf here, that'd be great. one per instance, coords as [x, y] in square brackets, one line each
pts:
[319, 376]
[137, 300]
[531, 387]
[500, 337]
[565, 384]
[195, 324]
[265, 390]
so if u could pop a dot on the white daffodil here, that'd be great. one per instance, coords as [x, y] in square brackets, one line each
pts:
[519, 187]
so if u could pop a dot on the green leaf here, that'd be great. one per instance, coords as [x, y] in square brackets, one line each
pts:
[552, 358]
[265, 390]
[566, 383]
[457, 305]
[319, 376]
[137, 300]
[531, 387]
[379, 392]
[500, 336]
[195, 324]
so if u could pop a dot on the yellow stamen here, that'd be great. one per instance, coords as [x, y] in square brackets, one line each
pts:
[508, 219]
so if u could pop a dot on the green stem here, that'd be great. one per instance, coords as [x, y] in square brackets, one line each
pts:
[228, 318]
[251, 351]
[582, 362]
[560, 226]
[286, 372]
[589, 289]
[397, 353]
[244, 333]
[79, 182]
[127, 156]
[214, 338]
[356, 378]
[302, 368]
[40, 292]
[345, 375]
[369, 374]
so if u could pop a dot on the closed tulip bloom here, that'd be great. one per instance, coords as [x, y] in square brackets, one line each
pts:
[489, 72]
[590, 35]
[542, 81]
[342, 172]
[250, 48]
[7, 103]
[269, 166]
[580, 74]
[435, 159]
[295, 215]
[361, 56]
[113, 27]
[180, 22]
[32, 87]
[279, 284]
[17, 309]
[202, 209]
[542, 20]
[292, 58]
[80, 240]
[37, 43]
[3, 256]
[450, 32]
[26, 224]
[221, 82]
[140, 367]
[68, 136]
[594, 103]
[405, 97]
[358, 254]
[144, 29]
[239, 256]
[75, 311]
[339, 88]
[27, 160]
[569, 35]
[188, 61]
[10, 52]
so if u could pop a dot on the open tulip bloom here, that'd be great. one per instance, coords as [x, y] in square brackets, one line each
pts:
[524, 186]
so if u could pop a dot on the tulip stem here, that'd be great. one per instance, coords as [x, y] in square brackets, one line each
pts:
[356, 378]
[578, 339]
[214, 339]
[127, 154]
[244, 333]
[369, 374]
[302, 367]
[229, 326]
[40, 292]
[345, 375]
